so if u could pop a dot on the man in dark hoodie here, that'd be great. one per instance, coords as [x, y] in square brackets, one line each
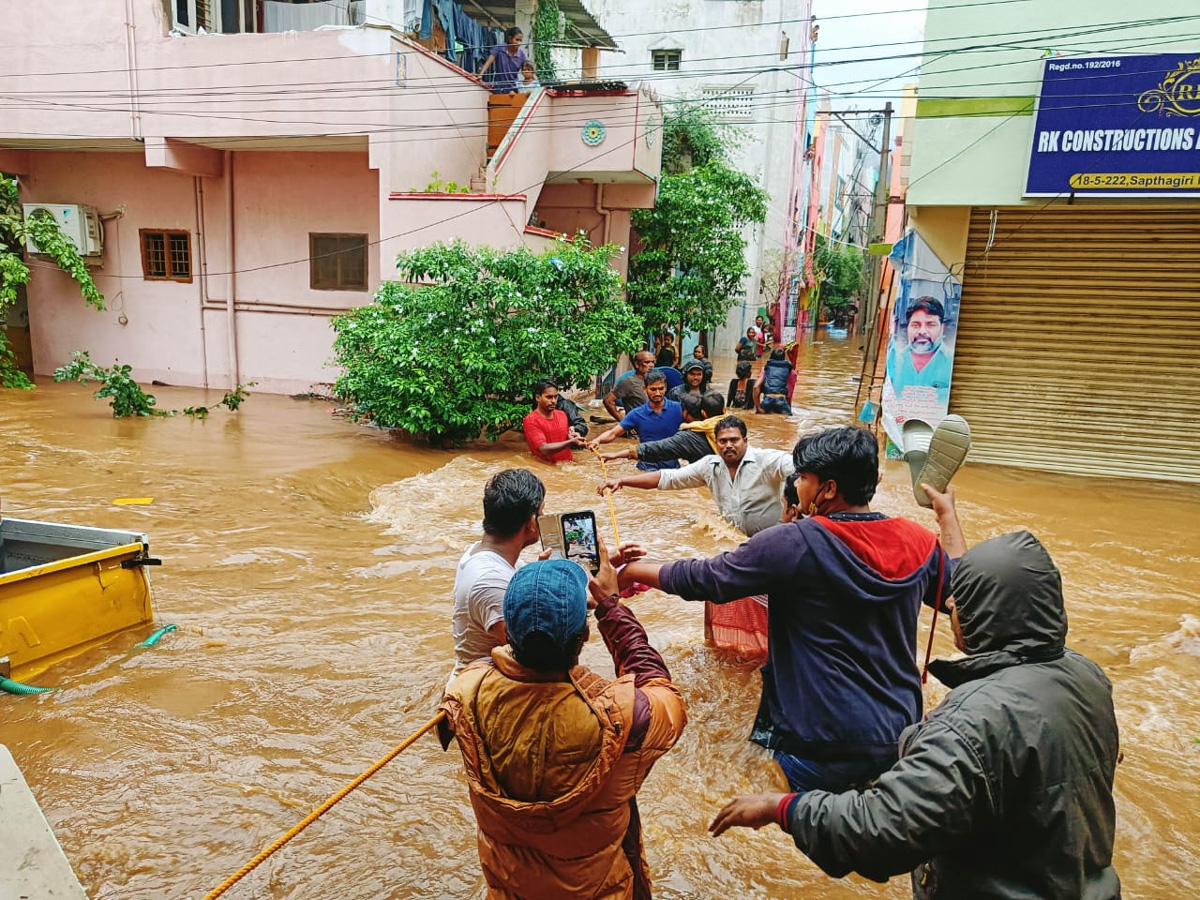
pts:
[844, 586]
[1005, 790]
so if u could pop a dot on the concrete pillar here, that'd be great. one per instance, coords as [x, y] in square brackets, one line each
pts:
[523, 15]
[591, 62]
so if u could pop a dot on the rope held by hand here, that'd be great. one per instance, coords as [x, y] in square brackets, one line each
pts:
[937, 606]
[612, 510]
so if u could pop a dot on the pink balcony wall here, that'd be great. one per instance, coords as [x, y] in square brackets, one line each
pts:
[547, 143]
[75, 81]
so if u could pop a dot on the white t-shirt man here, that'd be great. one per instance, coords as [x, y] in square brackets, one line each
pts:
[479, 585]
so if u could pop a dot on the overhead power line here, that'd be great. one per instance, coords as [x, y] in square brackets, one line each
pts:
[1024, 34]
[460, 127]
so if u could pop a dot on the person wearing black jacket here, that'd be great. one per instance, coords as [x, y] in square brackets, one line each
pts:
[1004, 790]
[687, 443]
[741, 389]
[574, 416]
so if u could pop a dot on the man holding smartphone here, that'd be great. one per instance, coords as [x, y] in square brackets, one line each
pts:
[555, 753]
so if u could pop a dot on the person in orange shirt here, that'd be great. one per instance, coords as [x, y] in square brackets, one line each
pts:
[546, 430]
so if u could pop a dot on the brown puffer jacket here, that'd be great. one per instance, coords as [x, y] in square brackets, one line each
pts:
[551, 779]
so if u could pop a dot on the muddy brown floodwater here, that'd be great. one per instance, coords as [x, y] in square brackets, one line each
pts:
[308, 563]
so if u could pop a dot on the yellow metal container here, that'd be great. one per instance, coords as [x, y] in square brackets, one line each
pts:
[66, 588]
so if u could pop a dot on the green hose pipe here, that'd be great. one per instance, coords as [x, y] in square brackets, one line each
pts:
[157, 636]
[15, 687]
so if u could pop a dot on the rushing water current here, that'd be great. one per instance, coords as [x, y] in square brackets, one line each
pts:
[308, 563]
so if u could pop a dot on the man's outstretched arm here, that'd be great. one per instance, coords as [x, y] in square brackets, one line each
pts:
[754, 567]
[606, 437]
[643, 571]
[689, 445]
[919, 808]
[646, 481]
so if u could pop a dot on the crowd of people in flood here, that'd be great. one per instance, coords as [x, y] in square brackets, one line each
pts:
[1004, 790]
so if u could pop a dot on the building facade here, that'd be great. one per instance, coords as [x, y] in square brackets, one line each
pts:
[744, 61]
[846, 188]
[250, 185]
[1051, 177]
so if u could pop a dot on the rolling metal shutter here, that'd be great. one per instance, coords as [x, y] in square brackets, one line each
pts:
[1078, 345]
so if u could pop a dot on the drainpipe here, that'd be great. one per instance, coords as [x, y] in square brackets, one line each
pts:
[202, 281]
[135, 113]
[230, 265]
[603, 212]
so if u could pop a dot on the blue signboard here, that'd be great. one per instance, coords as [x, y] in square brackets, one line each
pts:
[1118, 126]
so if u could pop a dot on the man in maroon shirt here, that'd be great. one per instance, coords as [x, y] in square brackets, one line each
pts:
[546, 429]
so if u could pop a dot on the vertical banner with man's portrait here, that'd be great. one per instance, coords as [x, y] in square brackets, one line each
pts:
[921, 338]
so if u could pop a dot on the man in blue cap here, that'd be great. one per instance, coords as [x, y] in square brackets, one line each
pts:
[554, 753]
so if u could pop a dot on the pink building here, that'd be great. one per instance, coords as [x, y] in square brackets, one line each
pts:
[251, 185]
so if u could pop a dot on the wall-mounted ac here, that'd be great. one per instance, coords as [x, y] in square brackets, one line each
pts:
[79, 224]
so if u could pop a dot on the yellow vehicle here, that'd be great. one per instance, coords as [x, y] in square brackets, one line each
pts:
[66, 588]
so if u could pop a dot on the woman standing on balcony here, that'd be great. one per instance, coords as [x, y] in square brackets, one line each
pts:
[507, 58]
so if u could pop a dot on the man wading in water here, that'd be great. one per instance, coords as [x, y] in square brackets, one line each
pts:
[844, 586]
[512, 501]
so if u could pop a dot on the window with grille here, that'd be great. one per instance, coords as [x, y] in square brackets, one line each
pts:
[337, 262]
[166, 255]
[192, 15]
[666, 60]
[729, 103]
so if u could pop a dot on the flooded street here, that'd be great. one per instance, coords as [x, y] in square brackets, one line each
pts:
[308, 563]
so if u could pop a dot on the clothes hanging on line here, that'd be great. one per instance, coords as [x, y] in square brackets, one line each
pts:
[467, 42]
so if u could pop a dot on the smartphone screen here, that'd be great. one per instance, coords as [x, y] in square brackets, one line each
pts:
[579, 533]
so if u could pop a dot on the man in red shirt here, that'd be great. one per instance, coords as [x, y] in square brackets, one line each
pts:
[546, 430]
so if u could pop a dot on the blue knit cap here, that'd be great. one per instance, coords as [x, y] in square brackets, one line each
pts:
[549, 596]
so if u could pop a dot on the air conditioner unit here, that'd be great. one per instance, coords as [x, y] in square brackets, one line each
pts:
[79, 224]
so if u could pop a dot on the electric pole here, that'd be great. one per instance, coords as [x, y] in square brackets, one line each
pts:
[878, 226]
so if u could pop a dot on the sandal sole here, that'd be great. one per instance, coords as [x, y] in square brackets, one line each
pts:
[948, 448]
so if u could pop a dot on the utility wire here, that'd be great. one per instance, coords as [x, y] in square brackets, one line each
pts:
[1035, 35]
[772, 23]
[762, 102]
[963, 150]
[273, 121]
[450, 218]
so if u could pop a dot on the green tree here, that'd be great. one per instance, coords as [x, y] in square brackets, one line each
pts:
[455, 347]
[547, 30]
[841, 273]
[694, 263]
[693, 137]
[15, 230]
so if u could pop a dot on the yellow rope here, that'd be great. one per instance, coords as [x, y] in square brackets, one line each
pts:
[320, 811]
[612, 510]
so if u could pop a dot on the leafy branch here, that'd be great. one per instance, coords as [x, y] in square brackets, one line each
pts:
[126, 396]
[44, 233]
[546, 32]
[692, 267]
